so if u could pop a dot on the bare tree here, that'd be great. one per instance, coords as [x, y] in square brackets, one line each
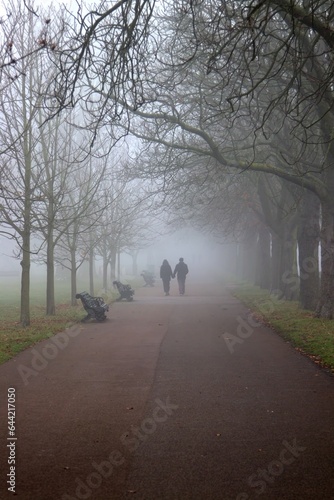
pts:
[79, 215]
[19, 136]
[249, 87]
[104, 56]
[247, 97]
[15, 57]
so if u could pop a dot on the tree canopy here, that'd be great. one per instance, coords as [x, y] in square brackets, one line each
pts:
[209, 88]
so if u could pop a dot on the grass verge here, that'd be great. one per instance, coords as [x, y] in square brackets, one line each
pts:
[313, 337]
[14, 338]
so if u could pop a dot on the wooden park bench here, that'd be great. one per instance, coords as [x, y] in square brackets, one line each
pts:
[125, 291]
[95, 307]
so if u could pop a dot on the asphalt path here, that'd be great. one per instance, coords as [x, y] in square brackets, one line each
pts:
[172, 398]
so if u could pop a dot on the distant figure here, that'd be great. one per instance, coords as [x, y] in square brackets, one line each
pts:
[181, 270]
[166, 274]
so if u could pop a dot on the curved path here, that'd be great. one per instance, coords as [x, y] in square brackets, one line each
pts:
[172, 398]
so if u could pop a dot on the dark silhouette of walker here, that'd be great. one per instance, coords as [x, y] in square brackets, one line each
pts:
[181, 270]
[166, 274]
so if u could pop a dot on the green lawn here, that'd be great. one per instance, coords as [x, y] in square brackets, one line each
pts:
[312, 336]
[14, 338]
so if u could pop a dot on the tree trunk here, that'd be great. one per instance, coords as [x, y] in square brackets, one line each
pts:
[276, 250]
[325, 307]
[50, 277]
[308, 250]
[118, 265]
[134, 256]
[263, 265]
[91, 269]
[25, 279]
[289, 281]
[73, 277]
[26, 235]
[105, 272]
[249, 246]
[113, 259]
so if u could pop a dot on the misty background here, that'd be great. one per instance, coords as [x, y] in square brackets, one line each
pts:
[207, 259]
[135, 131]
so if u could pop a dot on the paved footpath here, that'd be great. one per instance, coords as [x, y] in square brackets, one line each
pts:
[172, 398]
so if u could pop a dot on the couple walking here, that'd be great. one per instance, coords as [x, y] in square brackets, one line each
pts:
[181, 271]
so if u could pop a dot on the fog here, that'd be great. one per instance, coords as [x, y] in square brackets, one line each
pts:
[10, 261]
[9, 265]
[207, 259]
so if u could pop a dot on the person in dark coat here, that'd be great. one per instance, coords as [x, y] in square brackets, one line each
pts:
[181, 270]
[165, 274]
